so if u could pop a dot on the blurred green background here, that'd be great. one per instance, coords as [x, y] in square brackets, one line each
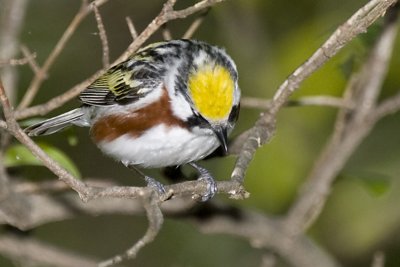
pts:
[268, 40]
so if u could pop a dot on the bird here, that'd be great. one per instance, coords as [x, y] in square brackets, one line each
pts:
[169, 104]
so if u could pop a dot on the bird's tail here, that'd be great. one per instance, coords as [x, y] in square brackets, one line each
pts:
[55, 124]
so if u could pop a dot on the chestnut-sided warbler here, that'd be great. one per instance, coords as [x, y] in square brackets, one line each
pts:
[169, 104]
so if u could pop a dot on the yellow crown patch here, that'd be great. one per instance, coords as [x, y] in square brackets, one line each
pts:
[211, 89]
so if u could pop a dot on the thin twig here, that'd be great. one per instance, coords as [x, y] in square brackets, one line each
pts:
[166, 33]
[155, 218]
[387, 107]
[12, 13]
[45, 207]
[131, 28]
[17, 61]
[167, 13]
[38, 79]
[103, 37]
[195, 24]
[31, 59]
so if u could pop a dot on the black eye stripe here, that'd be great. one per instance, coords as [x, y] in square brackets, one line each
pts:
[197, 120]
[233, 117]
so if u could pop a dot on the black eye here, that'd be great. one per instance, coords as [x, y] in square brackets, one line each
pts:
[233, 117]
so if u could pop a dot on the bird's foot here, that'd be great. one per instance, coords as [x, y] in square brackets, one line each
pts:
[158, 187]
[152, 183]
[206, 176]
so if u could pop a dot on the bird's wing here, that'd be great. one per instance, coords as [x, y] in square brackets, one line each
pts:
[124, 83]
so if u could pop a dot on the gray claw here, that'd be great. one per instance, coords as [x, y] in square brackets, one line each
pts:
[211, 187]
[153, 183]
[207, 177]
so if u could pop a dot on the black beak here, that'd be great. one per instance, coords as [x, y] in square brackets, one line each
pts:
[222, 135]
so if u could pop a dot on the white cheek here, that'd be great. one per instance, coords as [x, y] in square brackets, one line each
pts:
[180, 107]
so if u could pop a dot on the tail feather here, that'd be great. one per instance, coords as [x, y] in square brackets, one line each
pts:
[57, 123]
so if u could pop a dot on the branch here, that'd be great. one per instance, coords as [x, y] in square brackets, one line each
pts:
[259, 230]
[131, 28]
[387, 107]
[19, 134]
[195, 24]
[155, 218]
[167, 14]
[103, 37]
[38, 79]
[266, 233]
[31, 59]
[265, 126]
[17, 61]
[354, 126]
[13, 14]
[166, 33]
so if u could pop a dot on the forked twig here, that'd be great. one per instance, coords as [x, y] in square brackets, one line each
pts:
[354, 126]
[103, 37]
[131, 28]
[265, 126]
[166, 33]
[155, 218]
[195, 24]
[59, 47]
[31, 59]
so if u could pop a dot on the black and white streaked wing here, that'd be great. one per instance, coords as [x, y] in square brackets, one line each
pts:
[123, 83]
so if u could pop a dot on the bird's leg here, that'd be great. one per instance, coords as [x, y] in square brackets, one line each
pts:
[206, 176]
[151, 182]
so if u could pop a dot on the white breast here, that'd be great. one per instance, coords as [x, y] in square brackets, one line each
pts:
[161, 146]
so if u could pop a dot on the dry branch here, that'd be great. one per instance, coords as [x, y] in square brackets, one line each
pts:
[363, 90]
[265, 126]
[38, 79]
[103, 37]
[155, 218]
[131, 28]
[195, 25]
[13, 14]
